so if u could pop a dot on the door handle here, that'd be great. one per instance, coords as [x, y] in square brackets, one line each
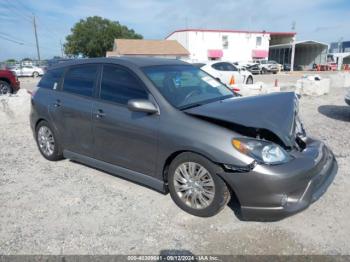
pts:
[57, 103]
[100, 113]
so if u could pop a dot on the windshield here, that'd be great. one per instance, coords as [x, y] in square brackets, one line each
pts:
[186, 86]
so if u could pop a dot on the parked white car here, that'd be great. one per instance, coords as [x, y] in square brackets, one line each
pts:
[227, 73]
[33, 71]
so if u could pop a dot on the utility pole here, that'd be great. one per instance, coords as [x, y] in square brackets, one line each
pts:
[36, 38]
[62, 53]
[293, 48]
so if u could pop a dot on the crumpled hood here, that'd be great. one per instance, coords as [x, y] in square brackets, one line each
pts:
[274, 112]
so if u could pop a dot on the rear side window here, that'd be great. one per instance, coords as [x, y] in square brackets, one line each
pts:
[218, 66]
[224, 67]
[119, 85]
[51, 78]
[80, 80]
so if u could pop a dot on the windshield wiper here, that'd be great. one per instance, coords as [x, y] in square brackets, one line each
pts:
[190, 106]
[204, 102]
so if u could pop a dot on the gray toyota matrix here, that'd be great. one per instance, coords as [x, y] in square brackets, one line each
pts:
[172, 127]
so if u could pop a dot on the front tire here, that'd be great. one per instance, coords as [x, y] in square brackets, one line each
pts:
[195, 187]
[249, 80]
[35, 74]
[47, 142]
[5, 88]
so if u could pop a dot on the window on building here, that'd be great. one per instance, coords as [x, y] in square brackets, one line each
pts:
[224, 41]
[80, 80]
[51, 78]
[258, 40]
[119, 86]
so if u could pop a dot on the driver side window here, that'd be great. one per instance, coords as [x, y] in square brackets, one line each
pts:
[119, 85]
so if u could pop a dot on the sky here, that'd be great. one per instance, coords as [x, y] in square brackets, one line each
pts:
[321, 20]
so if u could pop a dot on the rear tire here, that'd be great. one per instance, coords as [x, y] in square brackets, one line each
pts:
[35, 74]
[195, 187]
[47, 142]
[5, 88]
[249, 80]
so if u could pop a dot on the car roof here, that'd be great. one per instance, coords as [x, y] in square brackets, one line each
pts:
[216, 61]
[125, 60]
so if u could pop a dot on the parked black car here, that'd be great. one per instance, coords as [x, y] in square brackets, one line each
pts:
[171, 126]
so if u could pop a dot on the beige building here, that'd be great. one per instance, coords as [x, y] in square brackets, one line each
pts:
[154, 48]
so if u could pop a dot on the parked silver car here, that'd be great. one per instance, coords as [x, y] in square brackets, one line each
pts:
[171, 126]
[33, 71]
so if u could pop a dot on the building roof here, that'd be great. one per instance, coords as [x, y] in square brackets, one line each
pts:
[233, 31]
[301, 43]
[147, 47]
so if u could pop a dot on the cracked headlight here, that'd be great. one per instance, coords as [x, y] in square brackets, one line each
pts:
[263, 151]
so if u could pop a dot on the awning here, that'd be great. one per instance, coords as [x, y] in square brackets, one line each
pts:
[256, 53]
[215, 53]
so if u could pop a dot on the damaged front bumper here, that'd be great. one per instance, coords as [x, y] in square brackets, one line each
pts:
[273, 192]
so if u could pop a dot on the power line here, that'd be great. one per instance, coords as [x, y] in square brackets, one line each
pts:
[11, 40]
[10, 36]
[15, 9]
[29, 13]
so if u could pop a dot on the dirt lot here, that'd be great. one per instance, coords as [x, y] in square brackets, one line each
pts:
[68, 208]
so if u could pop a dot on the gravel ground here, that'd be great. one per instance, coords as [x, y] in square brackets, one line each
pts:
[68, 208]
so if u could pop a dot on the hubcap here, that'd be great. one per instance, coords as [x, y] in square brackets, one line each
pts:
[194, 185]
[46, 141]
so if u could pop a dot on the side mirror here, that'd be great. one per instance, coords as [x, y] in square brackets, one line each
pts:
[142, 105]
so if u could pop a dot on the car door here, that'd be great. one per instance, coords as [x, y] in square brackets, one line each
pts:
[228, 73]
[27, 70]
[219, 72]
[122, 137]
[238, 76]
[71, 109]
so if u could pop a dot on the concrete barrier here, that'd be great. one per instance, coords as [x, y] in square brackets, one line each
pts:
[340, 80]
[311, 87]
[257, 88]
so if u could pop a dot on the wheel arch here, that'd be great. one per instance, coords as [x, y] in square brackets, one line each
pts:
[5, 80]
[38, 122]
[250, 76]
[234, 198]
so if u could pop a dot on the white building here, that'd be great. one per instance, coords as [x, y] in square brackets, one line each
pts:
[228, 45]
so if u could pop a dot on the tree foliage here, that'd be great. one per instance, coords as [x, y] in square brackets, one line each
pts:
[11, 60]
[93, 36]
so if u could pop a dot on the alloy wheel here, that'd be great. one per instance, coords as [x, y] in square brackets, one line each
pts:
[46, 141]
[194, 185]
